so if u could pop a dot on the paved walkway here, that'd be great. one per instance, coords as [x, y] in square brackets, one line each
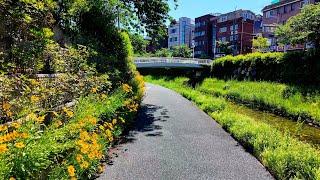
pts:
[173, 139]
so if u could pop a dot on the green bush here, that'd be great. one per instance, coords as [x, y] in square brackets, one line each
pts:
[295, 67]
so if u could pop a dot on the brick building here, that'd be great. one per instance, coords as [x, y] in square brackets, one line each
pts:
[278, 13]
[237, 29]
[203, 36]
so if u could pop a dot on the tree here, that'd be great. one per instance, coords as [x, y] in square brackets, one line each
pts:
[260, 44]
[27, 27]
[148, 15]
[181, 51]
[139, 43]
[164, 52]
[225, 47]
[302, 28]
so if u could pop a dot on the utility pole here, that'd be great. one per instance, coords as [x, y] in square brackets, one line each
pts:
[234, 42]
[241, 36]
[192, 45]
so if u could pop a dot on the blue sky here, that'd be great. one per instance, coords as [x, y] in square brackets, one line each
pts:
[196, 8]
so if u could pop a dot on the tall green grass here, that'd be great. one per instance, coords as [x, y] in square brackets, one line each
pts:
[296, 102]
[284, 156]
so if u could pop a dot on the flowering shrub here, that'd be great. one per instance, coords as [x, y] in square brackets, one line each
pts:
[20, 95]
[69, 144]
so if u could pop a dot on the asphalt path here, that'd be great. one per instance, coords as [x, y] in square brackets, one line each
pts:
[173, 139]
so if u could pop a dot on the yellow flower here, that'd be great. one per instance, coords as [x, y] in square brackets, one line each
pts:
[3, 128]
[92, 120]
[109, 125]
[59, 123]
[79, 158]
[40, 119]
[84, 135]
[31, 116]
[9, 113]
[55, 114]
[34, 82]
[101, 127]
[91, 156]
[100, 169]
[16, 125]
[12, 178]
[3, 148]
[103, 96]
[126, 88]
[34, 99]
[71, 171]
[19, 145]
[114, 121]
[94, 90]
[6, 106]
[73, 178]
[68, 112]
[84, 165]
[24, 135]
[109, 135]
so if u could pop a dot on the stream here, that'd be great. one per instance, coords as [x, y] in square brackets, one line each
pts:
[301, 131]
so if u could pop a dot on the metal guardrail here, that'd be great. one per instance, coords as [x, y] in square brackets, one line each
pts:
[172, 60]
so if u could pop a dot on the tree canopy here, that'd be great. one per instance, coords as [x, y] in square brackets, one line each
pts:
[302, 28]
[30, 28]
[181, 51]
[260, 44]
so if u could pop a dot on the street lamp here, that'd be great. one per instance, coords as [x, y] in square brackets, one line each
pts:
[192, 46]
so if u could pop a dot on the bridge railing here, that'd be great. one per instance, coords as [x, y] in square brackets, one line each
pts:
[173, 60]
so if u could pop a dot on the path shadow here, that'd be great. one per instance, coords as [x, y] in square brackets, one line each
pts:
[145, 123]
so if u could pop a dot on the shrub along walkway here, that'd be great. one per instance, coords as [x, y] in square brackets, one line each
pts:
[173, 139]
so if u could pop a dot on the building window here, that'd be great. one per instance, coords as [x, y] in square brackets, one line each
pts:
[287, 8]
[223, 29]
[176, 39]
[293, 5]
[269, 29]
[268, 14]
[173, 31]
[200, 33]
[234, 38]
[223, 39]
[304, 2]
[223, 18]
[235, 26]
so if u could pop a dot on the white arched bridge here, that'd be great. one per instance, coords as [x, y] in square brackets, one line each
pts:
[168, 62]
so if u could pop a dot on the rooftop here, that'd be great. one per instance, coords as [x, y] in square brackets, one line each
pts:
[280, 3]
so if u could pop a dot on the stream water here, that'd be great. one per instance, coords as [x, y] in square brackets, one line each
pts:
[302, 131]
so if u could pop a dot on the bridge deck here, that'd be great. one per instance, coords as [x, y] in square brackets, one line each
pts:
[164, 62]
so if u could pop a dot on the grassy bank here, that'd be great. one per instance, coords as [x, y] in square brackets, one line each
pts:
[299, 103]
[284, 156]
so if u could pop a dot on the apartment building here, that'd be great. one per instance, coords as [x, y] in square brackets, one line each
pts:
[203, 36]
[237, 29]
[181, 32]
[278, 13]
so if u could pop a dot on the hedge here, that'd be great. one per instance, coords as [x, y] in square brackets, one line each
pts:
[293, 67]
